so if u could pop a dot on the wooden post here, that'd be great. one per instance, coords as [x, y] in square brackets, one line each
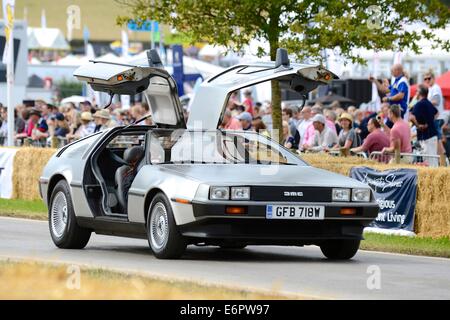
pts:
[442, 160]
[54, 142]
[345, 152]
[397, 155]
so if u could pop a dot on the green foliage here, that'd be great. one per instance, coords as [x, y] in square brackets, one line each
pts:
[305, 27]
[30, 209]
[177, 38]
[69, 88]
[439, 247]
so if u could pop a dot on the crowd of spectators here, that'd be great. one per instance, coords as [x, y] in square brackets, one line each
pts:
[404, 124]
[410, 125]
[42, 123]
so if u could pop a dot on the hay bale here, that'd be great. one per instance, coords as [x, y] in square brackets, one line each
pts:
[432, 215]
[433, 195]
[28, 165]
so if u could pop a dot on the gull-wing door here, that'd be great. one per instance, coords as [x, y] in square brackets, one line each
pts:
[212, 96]
[150, 79]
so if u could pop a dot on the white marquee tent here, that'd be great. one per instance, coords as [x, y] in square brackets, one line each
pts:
[46, 39]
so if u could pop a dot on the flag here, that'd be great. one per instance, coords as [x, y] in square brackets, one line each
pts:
[376, 101]
[125, 44]
[125, 99]
[43, 20]
[398, 57]
[86, 36]
[8, 13]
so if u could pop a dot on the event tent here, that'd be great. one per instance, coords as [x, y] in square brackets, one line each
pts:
[444, 82]
[46, 39]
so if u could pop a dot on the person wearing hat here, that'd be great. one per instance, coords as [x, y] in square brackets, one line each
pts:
[62, 126]
[32, 126]
[348, 138]
[245, 118]
[101, 119]
[324, 137]
[86, 128]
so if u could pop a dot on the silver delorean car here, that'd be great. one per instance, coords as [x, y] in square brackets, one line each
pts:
[178, 184]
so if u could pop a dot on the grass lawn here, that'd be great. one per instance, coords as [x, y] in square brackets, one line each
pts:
[23, 209]
[439, 247]
[28, 280]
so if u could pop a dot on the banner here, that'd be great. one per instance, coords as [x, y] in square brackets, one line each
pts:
[395, 191]
[8, 15]
[6, 172]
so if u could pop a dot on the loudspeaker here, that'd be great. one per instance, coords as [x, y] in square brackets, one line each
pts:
[359, 90]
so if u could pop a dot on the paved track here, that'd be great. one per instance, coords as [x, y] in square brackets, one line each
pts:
[289, 269]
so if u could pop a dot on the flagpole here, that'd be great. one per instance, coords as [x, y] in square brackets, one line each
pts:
[10, 88]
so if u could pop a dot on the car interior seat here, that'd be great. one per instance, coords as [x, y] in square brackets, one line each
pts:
[125, 174]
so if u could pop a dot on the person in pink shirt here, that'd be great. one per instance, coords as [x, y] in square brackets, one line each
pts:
[400, 134]
[229, 122]
[375, 141]
[248, 102]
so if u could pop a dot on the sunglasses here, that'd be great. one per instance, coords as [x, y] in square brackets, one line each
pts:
[426, 79]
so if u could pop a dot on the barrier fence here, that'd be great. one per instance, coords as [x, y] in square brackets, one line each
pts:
[346, 153]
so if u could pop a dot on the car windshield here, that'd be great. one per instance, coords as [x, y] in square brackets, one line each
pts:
[217, 147]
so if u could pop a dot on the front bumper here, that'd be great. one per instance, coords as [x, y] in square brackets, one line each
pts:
[215, 226]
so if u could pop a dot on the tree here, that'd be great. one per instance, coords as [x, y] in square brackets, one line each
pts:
[305, 27]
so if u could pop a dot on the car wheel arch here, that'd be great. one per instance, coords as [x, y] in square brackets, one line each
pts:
[148, 200]
[52, 184]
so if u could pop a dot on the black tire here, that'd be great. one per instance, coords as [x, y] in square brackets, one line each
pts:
[163, 236]
[71, 235]
[340, 249]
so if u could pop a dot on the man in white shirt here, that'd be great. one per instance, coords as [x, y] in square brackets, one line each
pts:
[324, 138]
[434, 93]
[437, 99]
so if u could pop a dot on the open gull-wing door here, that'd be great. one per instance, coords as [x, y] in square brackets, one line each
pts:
[152, 80]
[211, 99]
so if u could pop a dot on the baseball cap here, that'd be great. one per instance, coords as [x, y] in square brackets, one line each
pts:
[245, 116]
[59, 116]
[319, 118]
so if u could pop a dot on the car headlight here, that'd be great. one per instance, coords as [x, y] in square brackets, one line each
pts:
[361, 195]
[240, 193]
[219, 193]
[341, 195]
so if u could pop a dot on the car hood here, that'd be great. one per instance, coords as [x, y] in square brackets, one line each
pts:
[247, 174]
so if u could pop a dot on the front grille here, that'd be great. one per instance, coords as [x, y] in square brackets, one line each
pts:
[291, 194]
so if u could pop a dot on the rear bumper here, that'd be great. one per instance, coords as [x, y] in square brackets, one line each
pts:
[213, 225]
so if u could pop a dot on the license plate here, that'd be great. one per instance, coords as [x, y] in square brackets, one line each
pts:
[295, 212]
